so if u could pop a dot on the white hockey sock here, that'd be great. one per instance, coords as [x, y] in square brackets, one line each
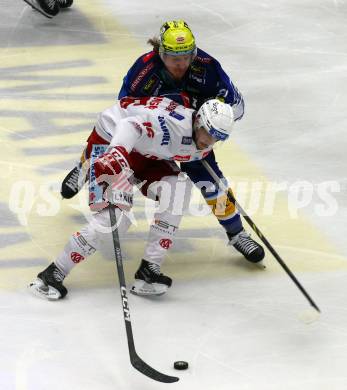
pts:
[174, 199]
[79, 246]
[161, 237]
[96, 235]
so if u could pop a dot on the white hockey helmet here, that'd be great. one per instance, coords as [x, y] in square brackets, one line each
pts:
[217, 118]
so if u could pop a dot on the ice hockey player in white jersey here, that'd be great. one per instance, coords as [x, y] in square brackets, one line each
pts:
[145, 137]
[160, 128]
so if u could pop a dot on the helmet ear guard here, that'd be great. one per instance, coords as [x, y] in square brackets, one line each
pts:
[216, 118]
[176, 38]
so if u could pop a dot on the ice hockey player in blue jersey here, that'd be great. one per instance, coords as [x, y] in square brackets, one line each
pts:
[180, 71]
[176, 68]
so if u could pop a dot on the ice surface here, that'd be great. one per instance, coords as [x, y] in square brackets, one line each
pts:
[237, 326]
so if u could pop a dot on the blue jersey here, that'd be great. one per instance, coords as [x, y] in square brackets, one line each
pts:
[205, 79]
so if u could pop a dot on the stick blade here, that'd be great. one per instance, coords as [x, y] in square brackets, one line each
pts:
[150, 372]
[309, 316]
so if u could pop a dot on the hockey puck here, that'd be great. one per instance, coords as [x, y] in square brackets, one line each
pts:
[181, 365]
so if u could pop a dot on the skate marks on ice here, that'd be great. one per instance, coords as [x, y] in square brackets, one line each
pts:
[71, 27]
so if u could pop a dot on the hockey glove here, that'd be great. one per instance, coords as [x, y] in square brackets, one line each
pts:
[113, 172]
[109, 165]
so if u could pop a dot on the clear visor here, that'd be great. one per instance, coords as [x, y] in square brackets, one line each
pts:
[185, 53]
[185, 59]
[179, 53]
[217, 134]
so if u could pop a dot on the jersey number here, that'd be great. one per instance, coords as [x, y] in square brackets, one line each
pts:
[149, 129]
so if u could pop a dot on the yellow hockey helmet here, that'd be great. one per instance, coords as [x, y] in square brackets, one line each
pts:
[176, 38]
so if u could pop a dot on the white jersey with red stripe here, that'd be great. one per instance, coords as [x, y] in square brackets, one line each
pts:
[155, 127]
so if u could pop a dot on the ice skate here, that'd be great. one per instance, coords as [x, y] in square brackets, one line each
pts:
[65, 3]
[49, 284]
[251, 250]
[149, 280]
[73, 182]
[48, 8]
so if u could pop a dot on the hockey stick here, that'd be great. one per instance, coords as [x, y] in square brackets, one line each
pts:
[135, 360]
[232, 199]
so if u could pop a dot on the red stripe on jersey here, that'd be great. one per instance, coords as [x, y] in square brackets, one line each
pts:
[186, 100]
[148, 56]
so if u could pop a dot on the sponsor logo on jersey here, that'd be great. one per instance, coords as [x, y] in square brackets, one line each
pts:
[198, 70]
[198, 73]
[171, 107]
[166, 136]
[177, 157]
[154, 102]
[151, 85]
[186, 140]
[204, 60]
[140, 76]
[177, 116]
[197, 79]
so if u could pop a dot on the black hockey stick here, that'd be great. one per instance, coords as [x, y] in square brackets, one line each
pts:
[232, 199]
[38, 9]
[135, 360]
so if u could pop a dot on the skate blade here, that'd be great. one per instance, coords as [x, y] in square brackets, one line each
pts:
[32, 5]
[142, 288]
[39, 289]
